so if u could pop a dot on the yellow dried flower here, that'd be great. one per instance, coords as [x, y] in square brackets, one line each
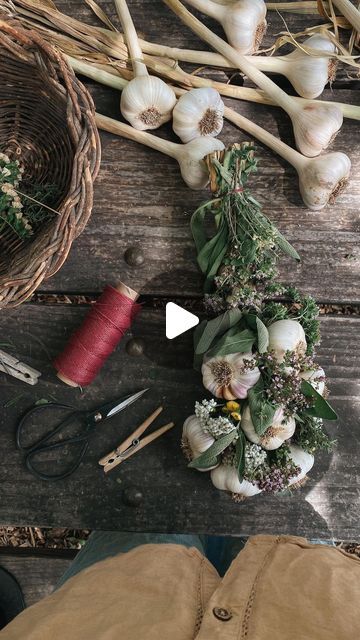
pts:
[232, 405]
[236, 416]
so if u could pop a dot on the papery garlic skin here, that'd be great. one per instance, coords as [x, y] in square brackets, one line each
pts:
[195, 440]
[322, 179]
[286, 335]
[316, 378]
[225, 478]
[280, 430]
[309, 74]
[244, 23]
[147, 102]
[315, 127]
[225, 378]
[198, 112]
[302, 459]
[190, 157]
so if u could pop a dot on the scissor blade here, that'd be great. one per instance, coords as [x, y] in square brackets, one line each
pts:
[125, 402]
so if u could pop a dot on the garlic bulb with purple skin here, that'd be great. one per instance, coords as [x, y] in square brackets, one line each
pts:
[286, 335]
[304, 461]
[282, 429]
[225, 478]
[231, 376]
[195, 440]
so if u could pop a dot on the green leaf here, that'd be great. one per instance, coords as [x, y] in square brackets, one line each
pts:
[209, 457]
[241, 342]
[240, 455]
[286, 247]
[213, 328]
[263, 336]
[197, 225]
[261, 410]
[320, 407]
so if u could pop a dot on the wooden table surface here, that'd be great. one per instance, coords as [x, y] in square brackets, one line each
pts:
[140, 200]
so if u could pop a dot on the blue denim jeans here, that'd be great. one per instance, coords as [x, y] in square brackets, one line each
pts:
[220, 551]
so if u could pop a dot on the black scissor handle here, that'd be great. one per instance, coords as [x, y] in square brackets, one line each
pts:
[49, 434]
[57, 445]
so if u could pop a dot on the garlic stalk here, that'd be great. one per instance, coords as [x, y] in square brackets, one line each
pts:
[244, 21]
[315, 125]
[321, 179]
[351, 13]
[189, 156]
[280, 430]
[300, 6]
[147, 101]
[195, 440]
[225, 478]
[198, 112]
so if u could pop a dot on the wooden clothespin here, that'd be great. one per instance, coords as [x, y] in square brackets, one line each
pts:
[17, 369]
[133, 443]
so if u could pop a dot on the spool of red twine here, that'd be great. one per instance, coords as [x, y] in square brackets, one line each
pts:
[103, 328]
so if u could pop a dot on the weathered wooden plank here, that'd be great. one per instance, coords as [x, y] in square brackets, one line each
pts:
[175, 498]
[37, 575]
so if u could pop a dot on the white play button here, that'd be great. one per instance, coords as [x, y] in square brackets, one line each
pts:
[178, 320]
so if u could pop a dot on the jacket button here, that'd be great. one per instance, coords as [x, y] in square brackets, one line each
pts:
[222, 614]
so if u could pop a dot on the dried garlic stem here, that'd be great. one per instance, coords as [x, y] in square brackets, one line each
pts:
[131, 38]
[351, 13]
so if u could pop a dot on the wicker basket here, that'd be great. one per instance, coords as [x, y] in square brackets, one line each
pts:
[47, 122]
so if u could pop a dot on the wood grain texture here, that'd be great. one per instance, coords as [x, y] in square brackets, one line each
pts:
[140, 198]
[176, 499]
[36, 575]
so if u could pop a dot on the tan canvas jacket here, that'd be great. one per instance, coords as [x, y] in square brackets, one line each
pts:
[278, 588]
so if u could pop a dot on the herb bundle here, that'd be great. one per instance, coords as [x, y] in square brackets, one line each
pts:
[263, 425]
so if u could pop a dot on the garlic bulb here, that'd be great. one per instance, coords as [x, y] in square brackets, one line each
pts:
[147, 102]
[198, 112]
[286, 335]
[244, 21]
[315, 127]
[316, 377]
[190, 157]
[225, 478]
[281, 429]
[302, 459]
[228, 376]
[308, 74]
[195, 440]
[322, 179]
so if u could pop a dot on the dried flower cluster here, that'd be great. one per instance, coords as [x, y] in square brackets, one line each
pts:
[11, 206]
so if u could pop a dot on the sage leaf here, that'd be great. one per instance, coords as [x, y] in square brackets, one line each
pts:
[286, 247]
[261, 410]
[241, 342]
[320, 408]
[240, 455]
[209, 457]
[263, 336]
[213, 328]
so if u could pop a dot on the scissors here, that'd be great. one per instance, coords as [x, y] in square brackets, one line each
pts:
[90, 420]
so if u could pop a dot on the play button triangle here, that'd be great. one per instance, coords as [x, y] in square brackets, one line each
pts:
[178, 320]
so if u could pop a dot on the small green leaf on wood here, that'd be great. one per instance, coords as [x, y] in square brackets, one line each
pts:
[320, 407]
[261, 410]
[263, 336]
[209, 457]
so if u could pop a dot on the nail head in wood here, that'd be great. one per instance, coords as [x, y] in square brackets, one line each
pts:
[132, 496]
[134, 256]
[135, 347]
